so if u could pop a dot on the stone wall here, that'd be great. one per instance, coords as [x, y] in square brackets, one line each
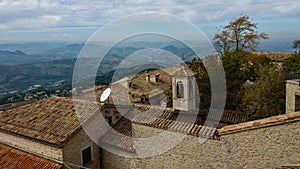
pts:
[72, 151]
[31, 146]
[110, 160]
[267, 147]
[292, 89]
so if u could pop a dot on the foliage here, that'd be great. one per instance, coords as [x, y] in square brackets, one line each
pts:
[266, 96]
[235, 78]
[251, 64]
[296, 45]
[221, 42]
[202, 80]
[241, 67]
[239, 35]
[291, 64]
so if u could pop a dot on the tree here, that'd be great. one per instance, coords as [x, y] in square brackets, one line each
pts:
[239, 35]
[266, 96]
[296, 45]
[235, 78]
[221, 42]
[291, 64]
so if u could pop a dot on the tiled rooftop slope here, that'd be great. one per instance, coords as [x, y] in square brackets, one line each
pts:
[266, 122]
[51, 120]
[14, 159]
[162, 120]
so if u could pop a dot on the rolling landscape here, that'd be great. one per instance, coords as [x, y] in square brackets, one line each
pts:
[27, 64]
[149, 84]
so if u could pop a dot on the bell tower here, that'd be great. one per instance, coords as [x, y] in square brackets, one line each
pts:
[184, 90]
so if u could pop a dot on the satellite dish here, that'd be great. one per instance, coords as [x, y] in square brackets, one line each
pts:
[105, 95]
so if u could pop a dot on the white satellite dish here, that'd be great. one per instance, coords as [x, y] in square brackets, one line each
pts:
[105, 95]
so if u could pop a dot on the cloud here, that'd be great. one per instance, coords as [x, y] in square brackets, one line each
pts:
[287, 8]
[36, 15]
[44, 21]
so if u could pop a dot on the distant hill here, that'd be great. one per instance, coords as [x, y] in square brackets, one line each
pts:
[184, 53]
[65, 52]
[19, 57]
[19, 77]
[22, 65]
[31, 48]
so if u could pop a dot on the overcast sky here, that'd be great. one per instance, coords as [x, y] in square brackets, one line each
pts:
[76, 20]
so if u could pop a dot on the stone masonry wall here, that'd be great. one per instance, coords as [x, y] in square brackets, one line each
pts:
[72, 151]
[31, 146]
[292, 88]
[268, 147]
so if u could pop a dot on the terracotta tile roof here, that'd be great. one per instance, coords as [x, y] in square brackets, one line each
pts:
[51, 120]
[162, 118]
[141, 86]
[124, 126]
[124, 141]
[153, 117]
[8, 106]
[266, 122]
[177, 126]
[228, 116]
[290, 166]
[154, 111]
[119, 94]
[14, 159]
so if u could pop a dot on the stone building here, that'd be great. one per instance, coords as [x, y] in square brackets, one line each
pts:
[48, 132]
[292, 96]
[266, 143]
[184, 90]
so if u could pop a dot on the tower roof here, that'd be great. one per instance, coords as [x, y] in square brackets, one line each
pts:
[182, 70]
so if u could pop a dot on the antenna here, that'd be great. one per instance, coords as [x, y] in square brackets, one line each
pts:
[105, 95]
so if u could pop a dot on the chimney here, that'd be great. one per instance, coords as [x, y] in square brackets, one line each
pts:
[155, 78]
[148, 78]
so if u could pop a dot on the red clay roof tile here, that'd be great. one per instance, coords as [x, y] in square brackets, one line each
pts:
[14, 159]
[270, 121]
[51, 120]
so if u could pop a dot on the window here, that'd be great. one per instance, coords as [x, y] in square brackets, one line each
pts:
[109, 119]
[142, 100]
[156, 78]
[179, 87]
[297, 103]
[86, 156]
[130, 84]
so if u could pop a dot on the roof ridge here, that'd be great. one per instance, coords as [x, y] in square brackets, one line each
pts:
[261, 123]
[177, 126]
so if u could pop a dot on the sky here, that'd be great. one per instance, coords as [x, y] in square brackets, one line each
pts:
[77, 20]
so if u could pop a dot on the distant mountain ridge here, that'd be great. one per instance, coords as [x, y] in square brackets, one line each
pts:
[65, 52]
[56, 61]
[19, 57]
